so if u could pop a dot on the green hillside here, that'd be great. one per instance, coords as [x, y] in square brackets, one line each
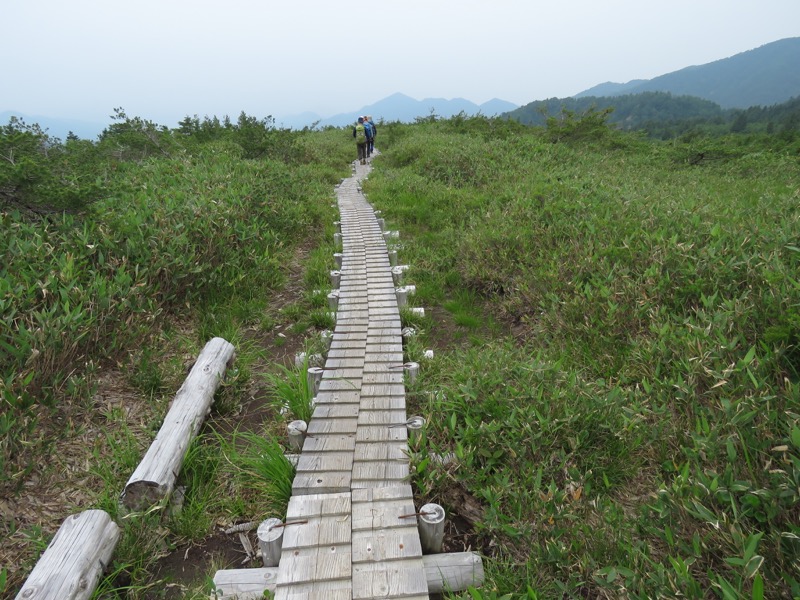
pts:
[760, 77]
[613, 402]
[664, 116]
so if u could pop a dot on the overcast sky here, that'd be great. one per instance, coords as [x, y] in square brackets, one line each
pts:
[165, 59]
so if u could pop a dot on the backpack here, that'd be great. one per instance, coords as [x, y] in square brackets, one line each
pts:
[361, 134]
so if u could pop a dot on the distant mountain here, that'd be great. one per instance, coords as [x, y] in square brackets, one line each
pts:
[55, 127]
[399, 107]
[764, 76]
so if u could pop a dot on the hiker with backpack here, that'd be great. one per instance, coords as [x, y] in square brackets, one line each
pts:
[370, 134]
[360, 135]
[371, 143]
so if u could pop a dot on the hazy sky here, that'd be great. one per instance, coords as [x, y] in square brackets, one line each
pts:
[165, 59]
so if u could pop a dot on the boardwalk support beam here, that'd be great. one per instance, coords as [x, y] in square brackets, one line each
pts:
[450, 572]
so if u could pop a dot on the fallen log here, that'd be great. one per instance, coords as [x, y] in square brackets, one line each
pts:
[76, 557]
[154, 478]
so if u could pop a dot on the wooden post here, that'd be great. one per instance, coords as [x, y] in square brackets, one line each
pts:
[431, 528]
[418, 311]
[414, 425]
[402, 296]
[397, 274]
[333, 300]
[270, 540]
[382, 224]
[154, 478]
[337, 258]
[393, 258]
[74, 560]
[297, 434]
[337, 239]
[412, 370]
[314, 376]
[336, 278]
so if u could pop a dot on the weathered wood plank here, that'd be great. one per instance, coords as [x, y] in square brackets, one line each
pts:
[383, 403]
[370, 390]
[314, 564]
[380, 471]
[339, 396]
[365, 451]
[389, 579]
[74, 560]
[330, 482]
[341, 426]
[324, 461]
[330, 442]
[335, 410]
[386, 544]
[395, 418]
[378, 433]
[154, 478]
[372, 378]
[385, 514]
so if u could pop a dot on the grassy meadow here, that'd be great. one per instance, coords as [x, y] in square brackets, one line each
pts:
[615, 325]
[620, 383]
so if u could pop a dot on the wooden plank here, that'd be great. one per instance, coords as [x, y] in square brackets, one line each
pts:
[334, 442]
[367, 451]
[384, 514]
[386, 544]
[383, 403]
[384, 378]
[320, 504]
[324, 461]
[392, 358]
[347, 353]
[340, 426]
[377, 433]
[339, 385]
[380, 471]
[335, 410]
[330, 482]
[384, 347]
[382, 389]
[329, 590]
[390, 579]
[382, 417]
[315, 564]
[325, 531]
[338, 396]
[351, 373]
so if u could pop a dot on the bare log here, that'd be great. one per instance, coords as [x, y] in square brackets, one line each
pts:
[154, 478]
[74, 560]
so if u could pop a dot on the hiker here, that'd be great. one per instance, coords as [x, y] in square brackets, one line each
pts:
[371, 147]
[360, 134]
[370, 134]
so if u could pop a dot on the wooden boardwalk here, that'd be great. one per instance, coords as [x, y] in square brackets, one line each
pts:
[360, 539]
